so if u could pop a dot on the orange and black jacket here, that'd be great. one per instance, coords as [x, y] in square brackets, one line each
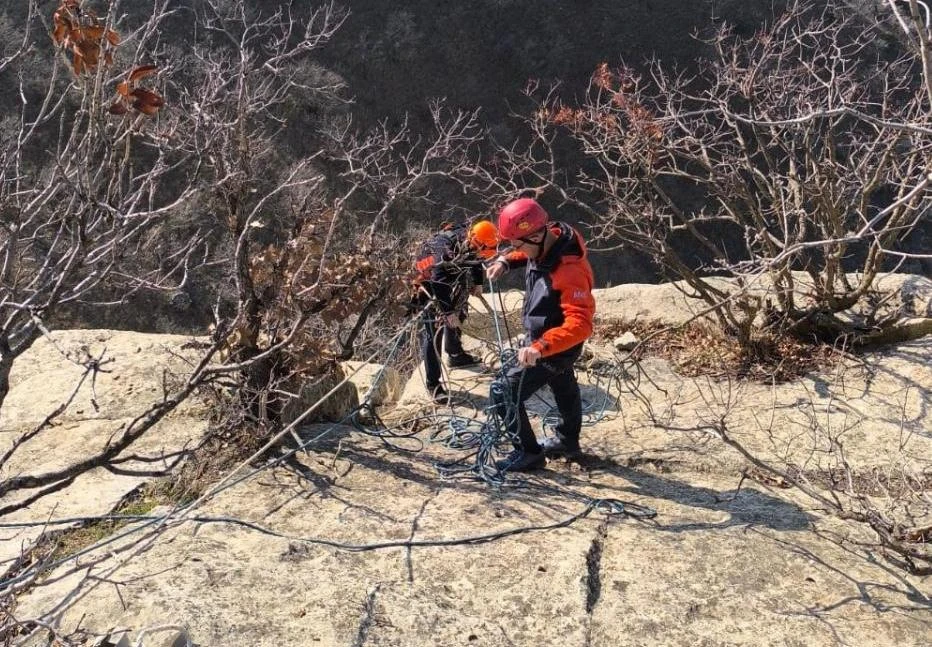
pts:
[446, 267]
[558, 301]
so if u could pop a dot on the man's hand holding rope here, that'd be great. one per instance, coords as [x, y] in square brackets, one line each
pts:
[528, 356]
[498, 267]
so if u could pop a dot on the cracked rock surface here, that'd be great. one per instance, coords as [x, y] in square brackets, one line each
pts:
[719, 565]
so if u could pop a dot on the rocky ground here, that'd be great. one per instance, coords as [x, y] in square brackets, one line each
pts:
[360, 541]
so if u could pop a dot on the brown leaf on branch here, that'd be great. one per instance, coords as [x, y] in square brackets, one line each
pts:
[141, 72]
[603, 77]
[58, 34]
[82, 32]
[147, 102]
[565, 116]
[142, 100]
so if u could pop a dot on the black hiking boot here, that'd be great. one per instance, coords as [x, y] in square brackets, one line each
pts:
[554, 447]
[461, 360]
[521, 461]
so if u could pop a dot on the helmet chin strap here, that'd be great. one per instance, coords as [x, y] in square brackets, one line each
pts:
[543, 245]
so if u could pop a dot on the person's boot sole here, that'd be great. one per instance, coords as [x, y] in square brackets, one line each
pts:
[536, 464]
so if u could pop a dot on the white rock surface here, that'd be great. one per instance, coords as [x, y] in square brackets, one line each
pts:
[627, 341]
[137, 367]
[718, 566]
[341, 399]
[386, 380]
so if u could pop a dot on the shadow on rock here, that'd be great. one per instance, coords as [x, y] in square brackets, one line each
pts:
[745, 506]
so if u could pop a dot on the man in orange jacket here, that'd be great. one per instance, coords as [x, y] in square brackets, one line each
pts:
[558, 311]
[449, 267]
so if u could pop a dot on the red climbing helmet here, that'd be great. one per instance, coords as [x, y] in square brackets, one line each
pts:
[521, 218]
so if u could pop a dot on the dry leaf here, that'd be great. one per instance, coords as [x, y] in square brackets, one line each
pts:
[142, 72]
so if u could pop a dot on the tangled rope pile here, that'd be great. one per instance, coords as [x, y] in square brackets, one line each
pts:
[483, 435]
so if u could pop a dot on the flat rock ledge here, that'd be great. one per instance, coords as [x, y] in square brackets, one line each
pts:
[314, 552]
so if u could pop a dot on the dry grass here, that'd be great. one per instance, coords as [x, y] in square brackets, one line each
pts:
[218, 454]
[137, 504]
[701, 349]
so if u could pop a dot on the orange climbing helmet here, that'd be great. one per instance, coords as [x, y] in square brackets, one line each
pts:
[521, 218]
[483, 237]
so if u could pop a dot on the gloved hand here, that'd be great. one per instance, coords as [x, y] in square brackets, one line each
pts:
[476, 290]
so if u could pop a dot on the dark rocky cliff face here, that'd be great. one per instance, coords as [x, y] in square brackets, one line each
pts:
[397, 56]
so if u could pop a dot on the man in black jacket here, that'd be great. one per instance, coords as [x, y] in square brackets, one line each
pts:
[558, 311]
[449, 268]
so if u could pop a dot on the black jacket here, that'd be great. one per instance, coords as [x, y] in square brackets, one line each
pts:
[447, 268]
[558, 301]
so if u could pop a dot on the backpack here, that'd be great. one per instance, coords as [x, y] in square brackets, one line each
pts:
[442, 246]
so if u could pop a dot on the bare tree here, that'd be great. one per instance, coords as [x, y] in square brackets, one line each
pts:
[310, 253]
[786, 155]
[79, 191]
[287, 226]
[809, 147]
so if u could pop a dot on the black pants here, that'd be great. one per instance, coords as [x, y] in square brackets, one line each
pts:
[432, 327]
[518, 384]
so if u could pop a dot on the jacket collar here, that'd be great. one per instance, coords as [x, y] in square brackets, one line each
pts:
[566, 244]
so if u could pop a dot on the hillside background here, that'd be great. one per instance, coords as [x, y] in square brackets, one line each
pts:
[392, 59]
[396, 57]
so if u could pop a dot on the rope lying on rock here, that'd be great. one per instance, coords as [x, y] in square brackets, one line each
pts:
[483, 435]
[610, 507]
